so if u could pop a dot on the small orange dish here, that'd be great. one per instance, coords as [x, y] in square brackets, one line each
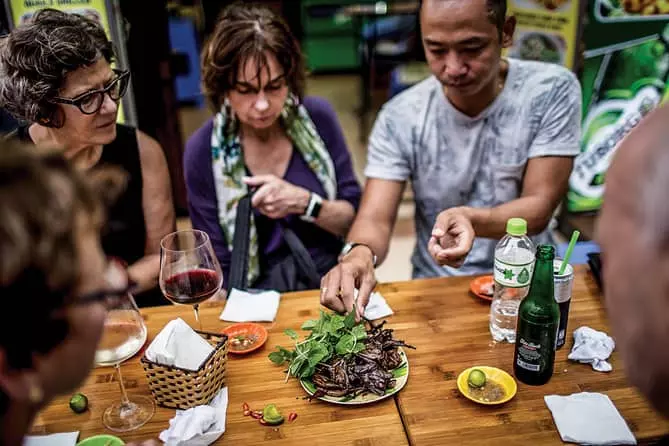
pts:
[483, 287]
[245, 337]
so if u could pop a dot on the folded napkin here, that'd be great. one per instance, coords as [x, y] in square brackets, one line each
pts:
[178, 345]
[589, 418]
[592, 347]
[249, 306]
[377, 307]
[62, 439]
[198, 426]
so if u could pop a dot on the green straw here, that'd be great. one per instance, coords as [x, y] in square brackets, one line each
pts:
[570, 248]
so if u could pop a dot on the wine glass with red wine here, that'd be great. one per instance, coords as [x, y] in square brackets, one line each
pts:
[189, 270]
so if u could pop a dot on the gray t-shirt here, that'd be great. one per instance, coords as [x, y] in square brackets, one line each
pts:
[454, 160]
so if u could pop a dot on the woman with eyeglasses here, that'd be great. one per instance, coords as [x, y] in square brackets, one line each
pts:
[50, 221]
[56, 76]
[56, 283]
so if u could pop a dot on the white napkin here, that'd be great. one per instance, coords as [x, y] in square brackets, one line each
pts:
[377, 307]
[589, 418]
[178, 345]
[245, 306]
[62, 439]
[592, 347]
[198, 426]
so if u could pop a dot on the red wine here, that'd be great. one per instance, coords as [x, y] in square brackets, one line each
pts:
[192, 287]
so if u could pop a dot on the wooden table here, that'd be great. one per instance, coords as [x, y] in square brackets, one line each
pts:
[450, 329]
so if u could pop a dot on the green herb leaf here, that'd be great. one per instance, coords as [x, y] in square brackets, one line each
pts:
[359, 347]
[277, 358]
[345, 344]
[359, 332]
[334, 325]
[318, 353]
[291, 333]
[349, 321]
[310, 324]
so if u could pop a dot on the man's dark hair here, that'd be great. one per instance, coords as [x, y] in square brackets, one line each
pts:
[496, 12]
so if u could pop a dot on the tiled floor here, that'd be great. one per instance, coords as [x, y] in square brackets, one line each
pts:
[343, 93]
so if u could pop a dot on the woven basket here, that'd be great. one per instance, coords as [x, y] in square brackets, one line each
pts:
[178, 388]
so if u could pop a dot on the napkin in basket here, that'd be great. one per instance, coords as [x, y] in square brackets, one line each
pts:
[248, 306]
[61, 439]
[589, 418]
[178, 345]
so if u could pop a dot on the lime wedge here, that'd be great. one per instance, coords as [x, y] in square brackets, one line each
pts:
[476, 379]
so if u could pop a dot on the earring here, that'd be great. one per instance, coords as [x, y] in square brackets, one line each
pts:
[35, 392]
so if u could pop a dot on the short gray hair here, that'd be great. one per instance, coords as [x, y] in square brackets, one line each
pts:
[36, 57]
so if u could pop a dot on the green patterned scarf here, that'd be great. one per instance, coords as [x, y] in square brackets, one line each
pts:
[229, 169]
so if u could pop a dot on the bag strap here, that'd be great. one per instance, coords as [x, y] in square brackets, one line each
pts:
[239, 260]
[305, 264]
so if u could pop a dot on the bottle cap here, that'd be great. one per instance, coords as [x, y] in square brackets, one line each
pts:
[516, 226]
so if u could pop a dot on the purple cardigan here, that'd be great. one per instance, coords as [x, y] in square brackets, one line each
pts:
[203, 205]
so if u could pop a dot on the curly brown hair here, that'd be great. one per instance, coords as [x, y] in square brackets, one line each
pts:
[245, 32]
[42, 202]
[36, 57]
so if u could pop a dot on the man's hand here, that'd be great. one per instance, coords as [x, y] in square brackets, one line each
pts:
[277, 198]
[356, 270]
[452, 238]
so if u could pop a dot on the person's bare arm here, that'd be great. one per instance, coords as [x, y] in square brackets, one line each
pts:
[376, 217]
[159, 214]
[373, 227]
[545, 184]
[336, 216]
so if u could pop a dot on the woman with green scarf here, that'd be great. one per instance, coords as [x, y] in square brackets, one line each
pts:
[267, 139]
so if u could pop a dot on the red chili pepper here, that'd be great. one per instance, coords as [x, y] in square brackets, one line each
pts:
[291, 417]
[257, 414]
[245, 407]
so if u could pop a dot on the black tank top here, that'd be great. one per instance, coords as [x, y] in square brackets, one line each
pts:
[124, 235]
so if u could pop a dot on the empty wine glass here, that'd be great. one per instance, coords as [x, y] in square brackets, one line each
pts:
[123, 335]
[189, 270]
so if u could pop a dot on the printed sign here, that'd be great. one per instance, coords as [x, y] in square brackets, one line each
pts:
[546, 31]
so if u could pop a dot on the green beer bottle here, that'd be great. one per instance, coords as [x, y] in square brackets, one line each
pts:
[538, 319]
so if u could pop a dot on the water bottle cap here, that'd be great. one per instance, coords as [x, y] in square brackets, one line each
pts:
[516, 226]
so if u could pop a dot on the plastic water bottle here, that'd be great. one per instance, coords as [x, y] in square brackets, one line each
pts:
[514, 263]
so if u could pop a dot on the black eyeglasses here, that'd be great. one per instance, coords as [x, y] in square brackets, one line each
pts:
[119, 285]
[90, 102]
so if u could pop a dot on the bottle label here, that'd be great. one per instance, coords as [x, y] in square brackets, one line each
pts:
[536, 345]
[513, 276]
[529, 355]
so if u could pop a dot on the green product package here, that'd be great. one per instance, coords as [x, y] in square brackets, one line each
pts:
[624, 77]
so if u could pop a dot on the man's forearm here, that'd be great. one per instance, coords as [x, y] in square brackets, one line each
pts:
[372, 233]
[491, 222]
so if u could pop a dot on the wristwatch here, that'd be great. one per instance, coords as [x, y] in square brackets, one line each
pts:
[313, 208]
[348, 247]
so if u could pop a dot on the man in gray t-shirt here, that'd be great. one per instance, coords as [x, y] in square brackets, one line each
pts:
[483, 140]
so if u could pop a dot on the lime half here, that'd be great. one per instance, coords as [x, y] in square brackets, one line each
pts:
[271, 415]
[79, 403]
[476, 379]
